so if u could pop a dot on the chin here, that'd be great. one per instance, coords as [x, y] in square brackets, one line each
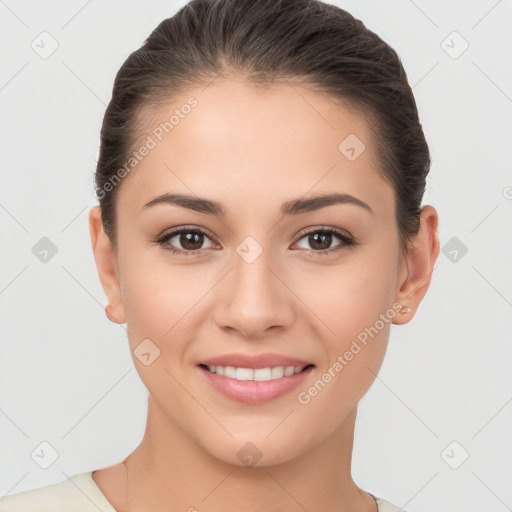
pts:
[248, 450]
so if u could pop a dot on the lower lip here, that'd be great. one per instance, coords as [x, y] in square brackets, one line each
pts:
[255, 392]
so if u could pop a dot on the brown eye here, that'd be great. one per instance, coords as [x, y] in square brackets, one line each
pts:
[320, 241]
[184, 241]
[191, 240]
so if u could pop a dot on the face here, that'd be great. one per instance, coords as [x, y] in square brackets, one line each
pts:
[315, 282]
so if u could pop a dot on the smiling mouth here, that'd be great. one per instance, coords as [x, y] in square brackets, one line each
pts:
[255, 374]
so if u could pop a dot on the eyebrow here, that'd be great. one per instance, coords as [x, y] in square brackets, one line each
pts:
[294, 207]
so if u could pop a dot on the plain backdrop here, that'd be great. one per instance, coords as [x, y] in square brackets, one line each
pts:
[434, 431]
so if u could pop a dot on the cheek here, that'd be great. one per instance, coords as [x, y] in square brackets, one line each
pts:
[359, 315]
[163, 300]
[158, 305]
[356, 306]
[350, 296]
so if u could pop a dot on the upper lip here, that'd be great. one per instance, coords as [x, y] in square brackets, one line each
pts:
[267, 360]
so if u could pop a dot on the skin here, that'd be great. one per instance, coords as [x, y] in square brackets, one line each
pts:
[253, 149]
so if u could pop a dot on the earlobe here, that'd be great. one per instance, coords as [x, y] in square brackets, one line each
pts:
[422, 255]
[106, 265]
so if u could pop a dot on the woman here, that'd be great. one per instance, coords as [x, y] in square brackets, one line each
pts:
[259, 229]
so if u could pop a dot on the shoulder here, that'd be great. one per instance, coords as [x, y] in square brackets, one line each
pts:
[382, 504]
[78, 493]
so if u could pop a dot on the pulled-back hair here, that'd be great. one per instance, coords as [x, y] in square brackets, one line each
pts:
[265, 42]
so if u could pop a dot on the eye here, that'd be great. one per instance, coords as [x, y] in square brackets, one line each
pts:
[190, 239]
[322, 238]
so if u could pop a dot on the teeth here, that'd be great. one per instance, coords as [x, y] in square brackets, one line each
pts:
[264, 374]
[230, 371]
[260, 374]
[244, 374]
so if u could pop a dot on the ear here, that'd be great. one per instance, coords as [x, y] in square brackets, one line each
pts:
[418, 265]
[106, 263]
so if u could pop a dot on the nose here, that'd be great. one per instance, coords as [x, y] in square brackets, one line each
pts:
[254, 298]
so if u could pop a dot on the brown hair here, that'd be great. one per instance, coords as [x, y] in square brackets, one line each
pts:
[264, 41]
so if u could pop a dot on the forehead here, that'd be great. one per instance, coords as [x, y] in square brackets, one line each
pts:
[252, 142]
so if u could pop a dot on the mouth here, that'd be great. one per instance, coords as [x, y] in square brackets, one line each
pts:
[255, 374]
[255, 385]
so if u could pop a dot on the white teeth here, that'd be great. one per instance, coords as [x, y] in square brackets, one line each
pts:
[244, 374]
[230, 371]
[289, 370]
[259, 374]
[277, 372]
[263, 374]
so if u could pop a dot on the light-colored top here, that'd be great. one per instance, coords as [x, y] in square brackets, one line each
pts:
[79, 493]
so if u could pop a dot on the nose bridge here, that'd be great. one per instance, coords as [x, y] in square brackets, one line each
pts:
[251, 269]
[256, 299]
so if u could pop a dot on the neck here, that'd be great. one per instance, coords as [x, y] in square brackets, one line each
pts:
[170, 468]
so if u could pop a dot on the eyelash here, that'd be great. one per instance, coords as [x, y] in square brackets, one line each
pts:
[348, 242]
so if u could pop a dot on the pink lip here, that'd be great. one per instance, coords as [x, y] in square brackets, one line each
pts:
[255, 392]
[267, 360]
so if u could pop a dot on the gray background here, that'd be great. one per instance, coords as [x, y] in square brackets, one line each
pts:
[67, 377]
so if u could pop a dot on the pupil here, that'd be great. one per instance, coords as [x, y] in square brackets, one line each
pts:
[326, 240]
[189, 238]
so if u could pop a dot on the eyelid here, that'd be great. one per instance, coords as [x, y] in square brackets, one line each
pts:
[333, 229]
[188, 228]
